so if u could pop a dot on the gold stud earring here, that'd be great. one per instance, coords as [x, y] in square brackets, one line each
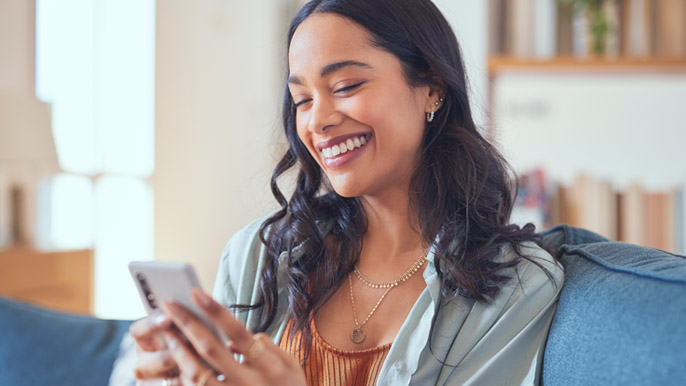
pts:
[430, 116]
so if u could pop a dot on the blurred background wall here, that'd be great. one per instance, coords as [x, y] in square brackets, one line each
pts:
[166, 123]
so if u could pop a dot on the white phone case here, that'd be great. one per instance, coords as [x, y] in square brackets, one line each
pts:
[158, 281]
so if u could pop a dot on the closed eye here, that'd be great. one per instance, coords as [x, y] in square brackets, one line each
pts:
[298, 104]
[348, 88]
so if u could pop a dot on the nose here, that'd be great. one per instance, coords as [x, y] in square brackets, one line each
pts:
[324, 115]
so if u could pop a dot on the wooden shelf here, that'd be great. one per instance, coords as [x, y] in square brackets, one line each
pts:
[502, 64]
[61, 280]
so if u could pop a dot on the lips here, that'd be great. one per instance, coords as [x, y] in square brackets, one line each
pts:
[344, 146]
[339, 151]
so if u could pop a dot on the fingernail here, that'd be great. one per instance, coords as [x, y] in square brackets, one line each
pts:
[172, 307]
[171, 339]
[159, 319]
[202, 298]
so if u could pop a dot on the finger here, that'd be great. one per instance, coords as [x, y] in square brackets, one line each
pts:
[144, 330]
[157, 364]
[175, 381]
[241, 338]
[221, 380]
[270, 360]
[270, 347]
[275, 365]
[203, 341]
[261, 357]
[190, 366]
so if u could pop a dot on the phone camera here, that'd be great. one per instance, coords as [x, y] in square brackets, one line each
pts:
[146, 290]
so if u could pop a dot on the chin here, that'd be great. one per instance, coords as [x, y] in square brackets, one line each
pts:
[347, 193]
[346, 188]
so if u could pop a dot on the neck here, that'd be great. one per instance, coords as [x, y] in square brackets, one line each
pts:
[393, 229]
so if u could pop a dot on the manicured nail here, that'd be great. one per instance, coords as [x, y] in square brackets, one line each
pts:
[202, 298]
[159, 319]
[172, 307]
[171, 339]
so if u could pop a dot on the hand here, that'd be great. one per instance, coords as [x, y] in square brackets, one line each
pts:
[265, 363]
[154, 361]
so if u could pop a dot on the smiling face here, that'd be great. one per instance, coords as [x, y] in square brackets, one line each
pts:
[356, 113]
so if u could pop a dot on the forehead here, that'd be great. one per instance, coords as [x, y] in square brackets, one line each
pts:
[324, 38]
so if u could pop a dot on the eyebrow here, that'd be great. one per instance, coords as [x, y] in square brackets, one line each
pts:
[331, 68]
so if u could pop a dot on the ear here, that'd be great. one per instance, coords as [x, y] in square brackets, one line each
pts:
[434, 100]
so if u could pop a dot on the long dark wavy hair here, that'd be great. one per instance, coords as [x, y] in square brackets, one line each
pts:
[461, 190]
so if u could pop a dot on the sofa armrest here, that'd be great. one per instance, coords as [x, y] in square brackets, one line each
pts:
[41, 347]
[621, 314]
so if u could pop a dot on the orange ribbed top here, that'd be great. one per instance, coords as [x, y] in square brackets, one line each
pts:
[329, 366]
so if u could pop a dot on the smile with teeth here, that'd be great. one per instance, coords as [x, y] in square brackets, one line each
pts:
[344, 147]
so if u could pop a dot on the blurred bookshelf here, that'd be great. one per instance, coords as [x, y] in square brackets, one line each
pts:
[570, 64]
[582, 35]
[632, 214]
[553, 41]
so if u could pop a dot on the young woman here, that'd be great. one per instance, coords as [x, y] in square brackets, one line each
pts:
[393, 262]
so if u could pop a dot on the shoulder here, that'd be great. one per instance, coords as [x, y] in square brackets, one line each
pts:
[536, 279]
[244, 240]
[240, 262]
[502, 341]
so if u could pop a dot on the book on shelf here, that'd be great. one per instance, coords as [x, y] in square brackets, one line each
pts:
[637, 27]
[612, 11]
[543, 26]
[635, 215]
[533, 22]
[670, 28]
[542, 29]
[660, 220]
[581, 39]
[496, 27]
[564, 29]
[590, 204]
[532, 203]
[632, 215]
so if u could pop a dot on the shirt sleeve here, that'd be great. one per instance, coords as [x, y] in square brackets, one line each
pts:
[239, 266]
[505, 339]
[223, 291]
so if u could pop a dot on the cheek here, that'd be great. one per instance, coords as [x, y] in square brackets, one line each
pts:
[398, 118]
[301, 127]
[305, 136]
[370, 110]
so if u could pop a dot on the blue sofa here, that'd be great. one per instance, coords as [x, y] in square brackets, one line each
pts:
[621, 320]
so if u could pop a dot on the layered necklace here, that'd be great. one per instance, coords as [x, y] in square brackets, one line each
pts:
[358, 335]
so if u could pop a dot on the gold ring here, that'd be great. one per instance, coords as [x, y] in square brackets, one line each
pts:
[204, 377]
[255, 350]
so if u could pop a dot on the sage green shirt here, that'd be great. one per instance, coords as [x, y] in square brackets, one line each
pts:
[497, 343]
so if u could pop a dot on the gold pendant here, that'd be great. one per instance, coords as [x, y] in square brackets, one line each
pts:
[358, 336]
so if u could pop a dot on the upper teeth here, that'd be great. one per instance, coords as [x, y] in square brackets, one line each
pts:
[345, 146]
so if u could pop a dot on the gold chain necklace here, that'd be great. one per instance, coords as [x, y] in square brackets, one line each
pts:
[358, 335]
[418, 264]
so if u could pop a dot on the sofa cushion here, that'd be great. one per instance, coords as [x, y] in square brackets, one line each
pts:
[41, 347]
[621, 316]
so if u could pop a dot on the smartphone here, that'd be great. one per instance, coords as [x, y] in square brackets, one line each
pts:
[158, 281]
